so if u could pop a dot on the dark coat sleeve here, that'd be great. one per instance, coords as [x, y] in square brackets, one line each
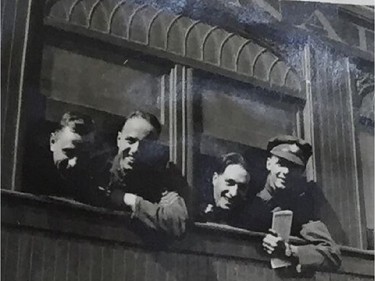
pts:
[321, 252]
[169, 215]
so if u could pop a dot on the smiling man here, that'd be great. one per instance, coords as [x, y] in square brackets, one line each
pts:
[142, 181]
[286, 188]
[229, 188]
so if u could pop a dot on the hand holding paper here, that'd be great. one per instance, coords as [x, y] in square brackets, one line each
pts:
[275, 243]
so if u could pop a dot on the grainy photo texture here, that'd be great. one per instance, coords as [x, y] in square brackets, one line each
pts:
[187, 140]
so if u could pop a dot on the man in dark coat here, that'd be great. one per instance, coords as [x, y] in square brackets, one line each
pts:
[64, 164]
[142, 181]
[286, 189]
[224, 201]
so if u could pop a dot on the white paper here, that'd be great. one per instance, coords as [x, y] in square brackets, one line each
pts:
[282, 223]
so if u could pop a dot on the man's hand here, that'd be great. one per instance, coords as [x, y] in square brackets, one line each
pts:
[274, 244]
[129, 200]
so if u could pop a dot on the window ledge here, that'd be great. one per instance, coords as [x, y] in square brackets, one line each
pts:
[65, 217]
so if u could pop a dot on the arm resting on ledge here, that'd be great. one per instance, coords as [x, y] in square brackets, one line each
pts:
[321, 251]
[169, 215]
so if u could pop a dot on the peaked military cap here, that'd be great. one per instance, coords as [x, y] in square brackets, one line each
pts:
[290, 148]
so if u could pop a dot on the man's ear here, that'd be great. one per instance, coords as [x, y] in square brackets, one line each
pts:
[90, 138]
[118, 139]
[52, 141]
[214, 178]
[269, 163]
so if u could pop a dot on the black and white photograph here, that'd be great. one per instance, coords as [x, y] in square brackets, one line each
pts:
[187, 140]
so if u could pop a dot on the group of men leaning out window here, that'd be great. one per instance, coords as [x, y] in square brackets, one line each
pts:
[138, 178]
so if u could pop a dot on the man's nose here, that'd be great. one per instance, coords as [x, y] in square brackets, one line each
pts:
[233, 191]
[283, 172]
[72, 162]
[134, 148]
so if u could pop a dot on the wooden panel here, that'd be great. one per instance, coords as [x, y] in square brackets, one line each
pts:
[107, 265]
[42, 256]
[118, 264]
[20, 34]
[73, 261]
[25, 257]
[334, 148]
[65, 221]
[9, 267]
[49, 258]
[37, 258]
[84, 261]
[14, 35]
[4, 250]
[61, 248]
[366, 148]
[129, 261]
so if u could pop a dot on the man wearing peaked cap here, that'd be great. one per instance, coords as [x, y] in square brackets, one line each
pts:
[286, 188]
[286, 163]
[290, 148]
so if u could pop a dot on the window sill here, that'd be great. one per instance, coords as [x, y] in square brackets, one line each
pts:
[67, 218]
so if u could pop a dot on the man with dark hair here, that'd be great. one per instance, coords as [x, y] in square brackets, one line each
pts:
[286, 189]
[151, 119]
[142, 181]
[72, 142]
[64, 169]
[228, 192]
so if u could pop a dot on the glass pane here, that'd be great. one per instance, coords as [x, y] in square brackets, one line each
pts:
[237, 117]
[103, 84]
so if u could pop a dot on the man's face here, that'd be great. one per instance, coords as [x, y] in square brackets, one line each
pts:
[70, 150]
[282, 172]
[128, 140]
[230, 187]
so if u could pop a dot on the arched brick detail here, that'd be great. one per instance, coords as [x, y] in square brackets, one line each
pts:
[183, 38]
